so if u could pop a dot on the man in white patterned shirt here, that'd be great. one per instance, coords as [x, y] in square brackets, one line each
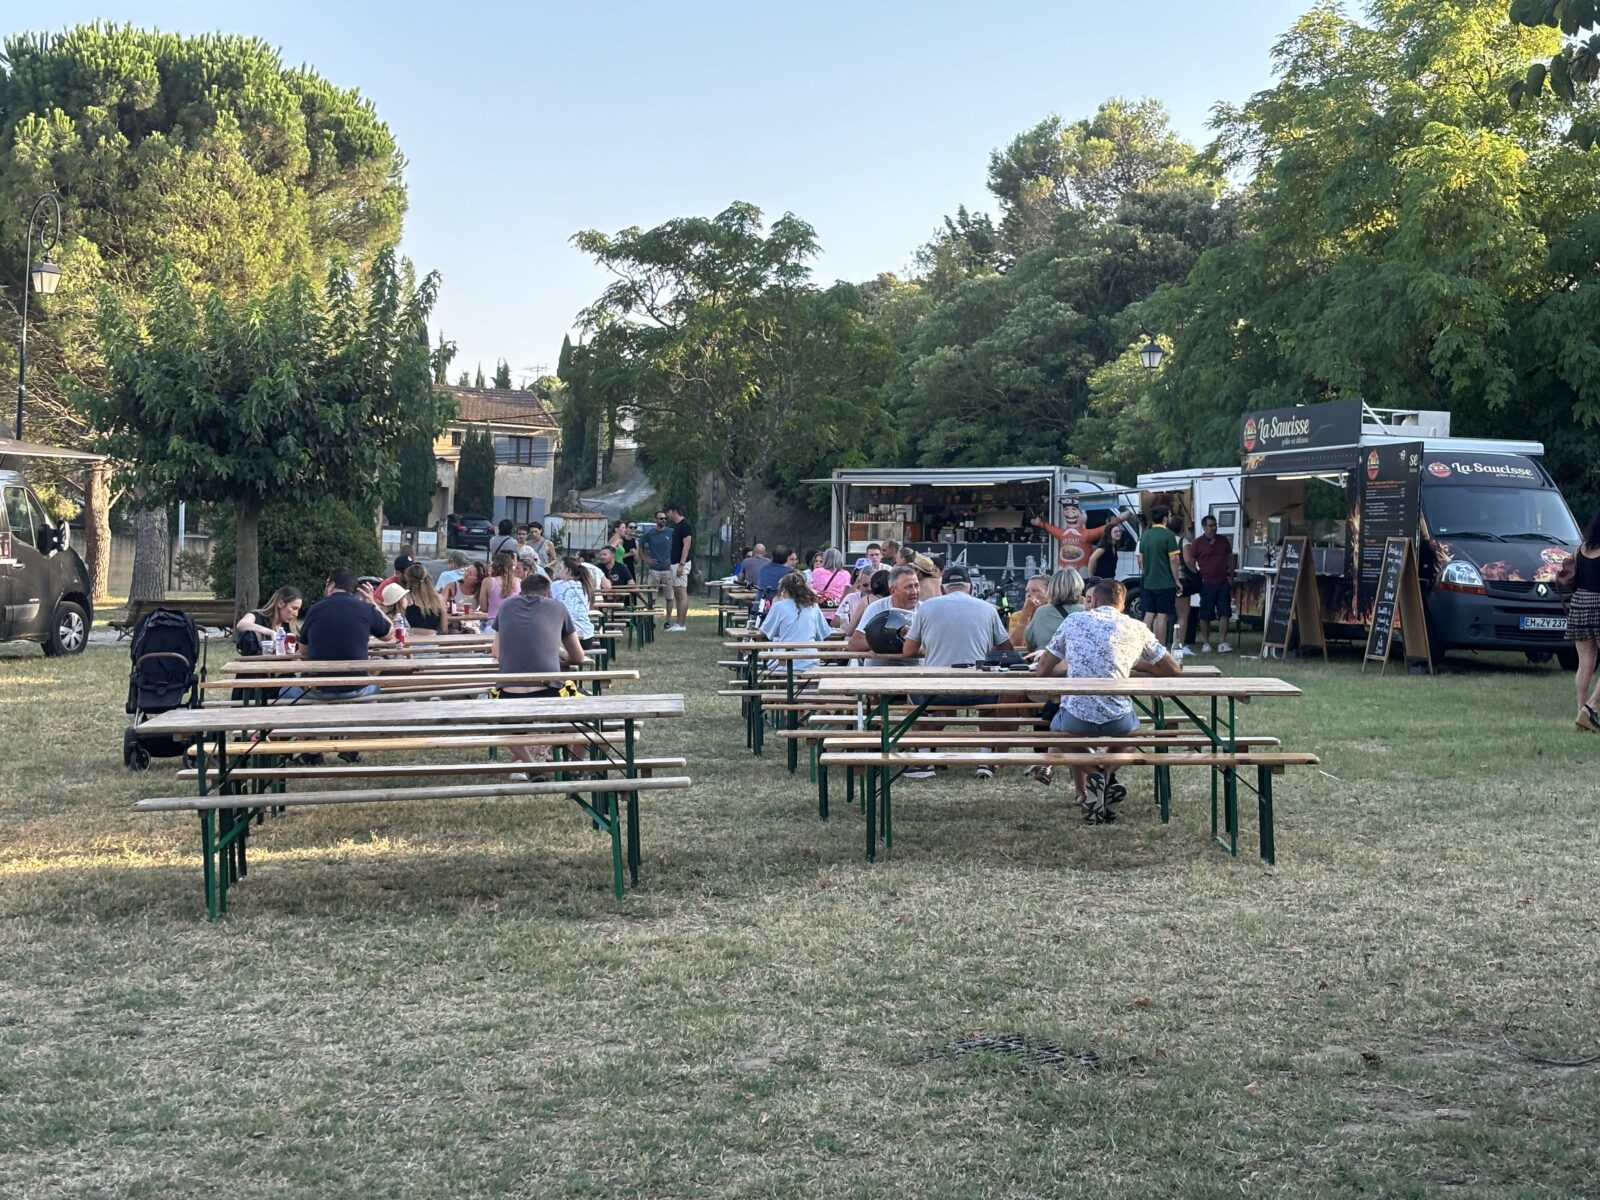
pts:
[1101, 643]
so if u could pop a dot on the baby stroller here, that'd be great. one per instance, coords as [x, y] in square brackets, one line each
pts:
[166, 647]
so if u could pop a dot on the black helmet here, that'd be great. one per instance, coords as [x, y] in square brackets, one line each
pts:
[886, 632]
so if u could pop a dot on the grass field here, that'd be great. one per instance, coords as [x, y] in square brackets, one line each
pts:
[446, 1001]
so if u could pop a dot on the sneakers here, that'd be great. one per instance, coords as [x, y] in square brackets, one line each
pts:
[984, 772]
[1205, 647]
[1094, 799]
[918, 773]
[349, 756]
[1224, 648]
[1115, 793]
[517, 777]
[676, 629]
[1039, 775]
[1180, 652]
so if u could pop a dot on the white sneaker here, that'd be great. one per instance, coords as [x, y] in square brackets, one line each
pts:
[518, 777]
[984, 773]
[918, 773]
[677, 629]
[1224, 648]
[1205, 647]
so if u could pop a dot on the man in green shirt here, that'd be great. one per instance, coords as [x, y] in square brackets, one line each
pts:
[1158, 556]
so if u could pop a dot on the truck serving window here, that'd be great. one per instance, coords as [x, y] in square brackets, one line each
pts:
[1498, 512]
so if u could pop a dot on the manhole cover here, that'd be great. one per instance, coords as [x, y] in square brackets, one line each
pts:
[1026, 1051]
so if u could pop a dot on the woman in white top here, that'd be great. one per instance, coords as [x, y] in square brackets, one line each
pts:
[573, 589]
[795, 617]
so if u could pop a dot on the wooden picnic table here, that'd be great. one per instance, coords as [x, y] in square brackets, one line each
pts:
[395, 677]
[227, 811]
[1188, 692]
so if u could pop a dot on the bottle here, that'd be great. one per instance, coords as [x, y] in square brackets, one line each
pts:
[280, 642]
[401, 628]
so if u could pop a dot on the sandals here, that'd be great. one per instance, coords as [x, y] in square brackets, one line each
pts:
[1588, 720]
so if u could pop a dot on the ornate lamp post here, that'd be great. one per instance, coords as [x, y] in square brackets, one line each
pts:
[1151, 353]
[43, 276]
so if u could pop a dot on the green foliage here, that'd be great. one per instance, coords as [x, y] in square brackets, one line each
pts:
[410, 502]
[300, 544]
[204, 152]
[478, 381]
[475, 474]
[502, 375]
[1571, 68]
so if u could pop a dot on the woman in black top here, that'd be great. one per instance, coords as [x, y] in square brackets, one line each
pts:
[424, 609]
[1583, 626]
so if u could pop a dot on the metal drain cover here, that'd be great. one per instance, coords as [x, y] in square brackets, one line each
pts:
[1026, 1051]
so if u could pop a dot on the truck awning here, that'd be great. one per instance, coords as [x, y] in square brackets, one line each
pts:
[11, 448]
[939, 477]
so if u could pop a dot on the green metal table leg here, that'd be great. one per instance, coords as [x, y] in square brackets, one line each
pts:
[1269, 846]
[633, 804]
[792, 723]
[208, 860]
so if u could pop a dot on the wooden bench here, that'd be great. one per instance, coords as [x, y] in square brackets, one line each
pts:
[208, 614]
[1224, 824]
[646, 768]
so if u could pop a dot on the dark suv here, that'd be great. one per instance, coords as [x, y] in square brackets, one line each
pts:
[44, 586]
[468, 533]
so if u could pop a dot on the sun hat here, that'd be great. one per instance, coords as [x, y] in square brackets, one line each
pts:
[392, 595]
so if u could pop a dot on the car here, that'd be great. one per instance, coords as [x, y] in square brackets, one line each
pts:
[468, 533]
[44, 585]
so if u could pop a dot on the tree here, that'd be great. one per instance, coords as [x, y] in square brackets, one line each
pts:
[475, 474]
[1575, 65]
[714, 336]
[292, 394]
[478, 380]
[301, 543]
[463, 380]
[502, 375]
[206, 150]
[443, 353]
[1444, 258]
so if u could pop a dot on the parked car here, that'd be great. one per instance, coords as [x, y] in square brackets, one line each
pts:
[44, 585]
[468, 533]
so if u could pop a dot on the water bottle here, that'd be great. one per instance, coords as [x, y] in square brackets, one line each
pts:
[280, 642]
[401, 628]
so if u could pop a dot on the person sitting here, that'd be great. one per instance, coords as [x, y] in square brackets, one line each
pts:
[857, 600]
[903, 590]
[535, 634]
[597, 577]
[402, 563]
[1063, 597]
[795, 616]
[462, 595]
[749, 569]
[337, 629]
[458, 565]
[614, 569]
[500, 584]
[573, 589]
[767, 579]
[279, 613]
[1033, 599]
[830, 580]
[1102, 643]
[392, 600]
[424, 610]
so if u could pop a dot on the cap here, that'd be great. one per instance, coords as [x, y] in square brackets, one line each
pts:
[923, 564]
[956, 575]
[392, 595]
[401, 562]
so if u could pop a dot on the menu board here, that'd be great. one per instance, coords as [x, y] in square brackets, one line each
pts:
[1279, 618]
[1390, 498]
[1384, 610]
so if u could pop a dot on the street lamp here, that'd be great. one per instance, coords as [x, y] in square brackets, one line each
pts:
[43, 276]
[1151, 353]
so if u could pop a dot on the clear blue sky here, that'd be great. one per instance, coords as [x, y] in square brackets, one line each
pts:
[524, 123]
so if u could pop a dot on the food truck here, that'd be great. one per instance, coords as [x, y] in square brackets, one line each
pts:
[1491, 528]
[975, 517]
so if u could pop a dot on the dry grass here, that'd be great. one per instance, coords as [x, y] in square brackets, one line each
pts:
[445, 1001]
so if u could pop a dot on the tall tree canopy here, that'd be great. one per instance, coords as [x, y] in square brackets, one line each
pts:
[728, 354]
[1411, 240]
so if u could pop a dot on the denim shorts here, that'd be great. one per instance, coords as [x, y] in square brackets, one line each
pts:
[1065, 722]
[953, 701]
[294, 693]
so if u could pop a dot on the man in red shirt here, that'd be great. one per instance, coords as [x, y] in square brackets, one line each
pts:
[1211, 557]
[1073, 538]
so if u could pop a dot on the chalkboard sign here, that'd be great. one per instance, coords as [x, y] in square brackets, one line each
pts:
[1398, 604]
[1279, 621]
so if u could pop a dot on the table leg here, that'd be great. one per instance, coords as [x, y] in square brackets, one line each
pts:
[1269, 847]
[208, 857]
[633, 805]
[790, 725]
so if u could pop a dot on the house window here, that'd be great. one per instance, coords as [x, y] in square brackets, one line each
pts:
[455, 438]
[525, 451]
[519, 509]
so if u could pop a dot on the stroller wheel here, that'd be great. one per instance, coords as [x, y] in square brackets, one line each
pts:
[140, 760]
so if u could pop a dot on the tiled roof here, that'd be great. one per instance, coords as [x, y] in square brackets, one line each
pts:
[500, 406]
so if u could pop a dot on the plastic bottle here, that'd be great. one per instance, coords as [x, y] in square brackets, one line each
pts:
[402, 627]
[280, 642]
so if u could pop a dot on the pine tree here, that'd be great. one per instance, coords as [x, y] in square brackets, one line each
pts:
[475, 474]
[478, 382]
[502, 375]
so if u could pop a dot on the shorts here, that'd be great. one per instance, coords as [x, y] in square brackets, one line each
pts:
[1216, 601]
[294, 693]
[1189, 586]
[1065, 722]
[953, 701]
[1156, 601]
[1583, 617]
[662, 580]
[544, 693]
[680, 575]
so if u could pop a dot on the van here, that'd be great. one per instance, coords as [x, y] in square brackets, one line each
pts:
[44, 585]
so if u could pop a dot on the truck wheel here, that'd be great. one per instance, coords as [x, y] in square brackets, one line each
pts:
[1567, 659]
[69, 631]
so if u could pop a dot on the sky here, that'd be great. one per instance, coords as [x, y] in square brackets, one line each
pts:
[525, 123]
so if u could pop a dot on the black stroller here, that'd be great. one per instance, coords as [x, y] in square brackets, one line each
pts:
[166, 650]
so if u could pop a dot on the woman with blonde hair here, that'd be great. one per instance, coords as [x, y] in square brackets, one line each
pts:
[281, 611]
[500, 584]
[795, 616]
[424, 610]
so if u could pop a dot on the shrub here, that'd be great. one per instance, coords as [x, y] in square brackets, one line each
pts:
[300, 543]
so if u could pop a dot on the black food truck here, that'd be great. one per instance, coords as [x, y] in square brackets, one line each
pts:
[1491, 528]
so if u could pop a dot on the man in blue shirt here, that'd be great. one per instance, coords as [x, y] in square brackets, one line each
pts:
[337, 629]
[657, 548]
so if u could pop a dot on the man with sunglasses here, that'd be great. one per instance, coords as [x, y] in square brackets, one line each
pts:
[1073, 537]
[656, 545]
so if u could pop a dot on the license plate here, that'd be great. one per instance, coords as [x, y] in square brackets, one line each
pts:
[1559, 624]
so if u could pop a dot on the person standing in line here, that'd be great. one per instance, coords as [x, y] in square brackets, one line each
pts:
[1211, 556]
[679, 550]
[1188, 590]
[504, 541]
[535, 634]
[1158, 593]
[544, 550]
[1582, 574]
[656, 547]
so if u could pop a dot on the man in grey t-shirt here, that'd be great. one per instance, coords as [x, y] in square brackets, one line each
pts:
[955, 627]
[903, 591]
[534, 632]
